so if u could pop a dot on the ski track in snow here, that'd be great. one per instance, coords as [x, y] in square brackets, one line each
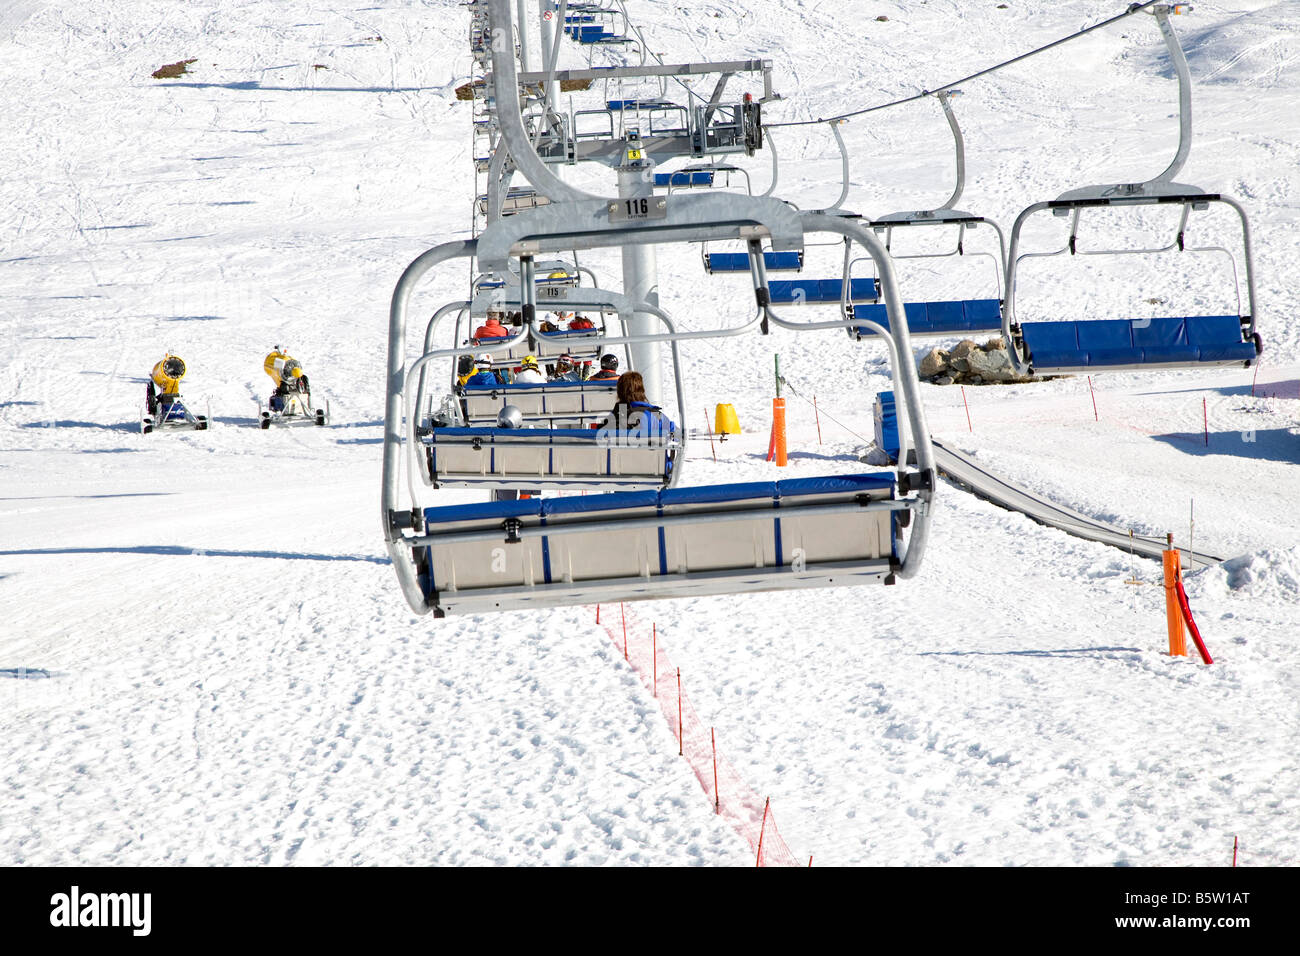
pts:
[205, 659]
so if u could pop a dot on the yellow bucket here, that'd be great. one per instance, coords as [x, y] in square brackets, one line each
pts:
[725, 421]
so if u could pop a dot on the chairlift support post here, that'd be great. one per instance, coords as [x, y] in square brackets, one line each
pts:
[521, 10]
[640, 267]
[550, 43]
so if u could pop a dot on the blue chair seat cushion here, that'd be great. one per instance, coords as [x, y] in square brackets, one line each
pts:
[1191, 340]
[956, 317]
[822, 291]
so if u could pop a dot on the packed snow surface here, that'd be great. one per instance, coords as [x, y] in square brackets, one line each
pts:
[204, 655]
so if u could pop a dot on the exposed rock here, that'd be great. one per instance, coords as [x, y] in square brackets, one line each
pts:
[935, 363]
[964, 348]
[877, 457]
[992, 366]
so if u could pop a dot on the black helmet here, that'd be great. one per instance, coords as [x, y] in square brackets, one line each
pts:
[609, 361]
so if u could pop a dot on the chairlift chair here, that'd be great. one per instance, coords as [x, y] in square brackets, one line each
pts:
[661, 541]
[951, 317]
[1177, 341]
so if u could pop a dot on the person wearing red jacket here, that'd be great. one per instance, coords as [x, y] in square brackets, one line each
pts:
[492, 328]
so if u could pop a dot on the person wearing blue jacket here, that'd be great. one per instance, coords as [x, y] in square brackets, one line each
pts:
[483, 374]
[634, 414]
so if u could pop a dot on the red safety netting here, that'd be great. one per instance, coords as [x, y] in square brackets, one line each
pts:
[750, 815]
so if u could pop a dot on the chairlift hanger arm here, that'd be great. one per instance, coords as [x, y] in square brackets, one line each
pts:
[391, 518]
[687, 218]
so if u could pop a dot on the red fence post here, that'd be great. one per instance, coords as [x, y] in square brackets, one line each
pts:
[717, 799]
[1095, 416]
[761, 831]
[654, 656]
[623, 614]
[680, 746]
[969, 426]
[1191, 625]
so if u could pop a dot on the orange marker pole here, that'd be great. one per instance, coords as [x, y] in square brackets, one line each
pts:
[778, 431]
[708, 423]
[778, 419]
[1173, 611]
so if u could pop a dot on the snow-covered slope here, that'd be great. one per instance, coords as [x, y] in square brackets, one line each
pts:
[204, 657]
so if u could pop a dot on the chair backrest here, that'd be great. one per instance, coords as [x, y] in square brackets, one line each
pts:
[580, 343]
[552, 402]
[680, 541]
[546, 458]
[1166, 342]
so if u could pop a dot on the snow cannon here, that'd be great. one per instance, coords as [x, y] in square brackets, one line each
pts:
[163, 407]
[168, 373]
[290, 403]
[282, 369]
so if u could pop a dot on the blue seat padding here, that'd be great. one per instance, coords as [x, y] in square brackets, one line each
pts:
[940, 318]
[485, 511]
[1218, 338]
[886, 422]
[739, 261]
[1053, 344]
[1194, 340]
[984, 314]
[564, 333]
[1107, 342]
[695, 177]
[1163, 341]
[706, 494]
[608, 502]
[460, 431]
[834, 484]
[821, 291]
[634, 104]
